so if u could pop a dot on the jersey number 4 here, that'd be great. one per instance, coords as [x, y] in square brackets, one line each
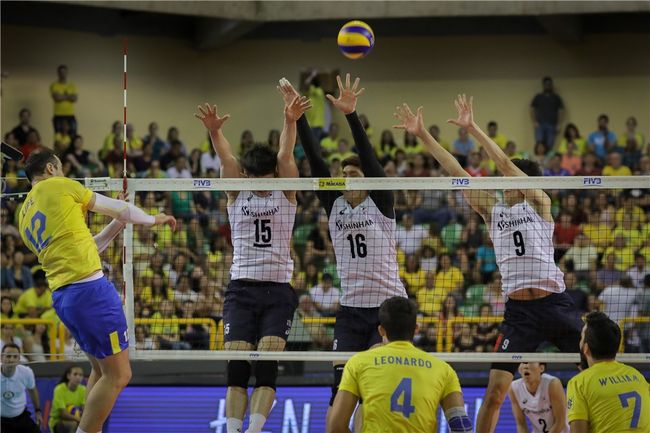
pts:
[34, 233]
[519, 243]
[403, 389]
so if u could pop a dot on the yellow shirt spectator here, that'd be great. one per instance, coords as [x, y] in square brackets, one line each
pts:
[449, 280]
[166, 328]
[632, 237]
[623, 170]
[430, 300]
[611, 397]
[340, 156]
[581, 146]
[414, 280]
[624, 257]
[30, 298]
[637, 215]
[63, 108]
[599, 234]
[316, 115]
[501, 140]
[329, 145]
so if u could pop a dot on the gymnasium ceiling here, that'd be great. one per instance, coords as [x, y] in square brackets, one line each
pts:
[207, 25]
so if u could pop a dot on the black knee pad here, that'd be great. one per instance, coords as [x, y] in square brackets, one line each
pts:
[238, 373]
[338, 375]
[266, 373]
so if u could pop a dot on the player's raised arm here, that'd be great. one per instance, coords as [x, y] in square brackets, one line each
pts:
[213, 123]
[127, 213]
[504, 164]
[481, 201]
[104, 238]
[520, 418]
[294, 107]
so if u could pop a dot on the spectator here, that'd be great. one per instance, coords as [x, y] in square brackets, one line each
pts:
[413, 275]
[472, 235]
[18, 276]
[23, 129]
[554, 167]
[133, 143]
[427, 338]
[474, 166]
[581, 257]
[616, 167]
[618, 299]
[109, 140]
[84, 163]
[486, 260]
[546, 109]
[511, 151]
[428, 297]
[419, 167]
[434, 130]
[7, 308]
[318, 336]
[63, 139]
[428, 257]
[33, 143]
[35, 301]
[210, 160]
[642, 302]
[602, 141]
[183, 292]
[485, 331]
[571, 162]
[315, 116]
[64, 94]
[143, 340]
[409, 236]
[639, 272]
[608, 275]
[448, 278]
[15, 379]
[493, 295]
[497, 137]
[572, 135]
[631, 154]
[167, 332]
[590, 166]
[325, 296]
[319, 245]
[411, 145]
[343, 151]
[387, 147]
[169, 158]
[627, 229]
[329, 144]
[598, 232]
[179, 169]
[466, 341]
[68, 402]
[462, 146]
[631, 134]
[564, 235]
[623, 254]
[158, 145]
[143, 162]
[630, 208]
[579, 296]
[540, 155]
[246, 141]
[174, 135]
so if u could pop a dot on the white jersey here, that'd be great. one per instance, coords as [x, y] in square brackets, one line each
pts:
[261, 230]
[366, 254]
[523, 244]
[536, 407]
[14, 399]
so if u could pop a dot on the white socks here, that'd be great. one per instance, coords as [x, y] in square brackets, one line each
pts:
[234, 425]
[81, 431]
[256, 423]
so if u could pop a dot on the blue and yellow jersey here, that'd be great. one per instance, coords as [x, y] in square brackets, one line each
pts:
[612, 397]
[52, 225]
[401, 387]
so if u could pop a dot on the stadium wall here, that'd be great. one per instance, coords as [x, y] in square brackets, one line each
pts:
[603, 74]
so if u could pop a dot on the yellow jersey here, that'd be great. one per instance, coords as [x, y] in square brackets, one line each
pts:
[316, 116]
[30, 299]
[612, 397]
[63, 108]
[401, 387]
[623, 170]
[52, 225]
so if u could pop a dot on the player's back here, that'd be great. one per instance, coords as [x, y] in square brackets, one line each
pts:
[52, 225]
[612, 397]
[401, 387]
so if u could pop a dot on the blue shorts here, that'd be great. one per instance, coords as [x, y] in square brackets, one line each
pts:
[93, 314]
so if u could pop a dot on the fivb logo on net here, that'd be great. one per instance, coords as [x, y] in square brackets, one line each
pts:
[459, 181]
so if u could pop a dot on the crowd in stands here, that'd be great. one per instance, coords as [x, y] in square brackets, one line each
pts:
[448, 265]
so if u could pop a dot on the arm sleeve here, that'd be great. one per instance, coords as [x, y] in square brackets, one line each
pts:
[122, 211]
[319, 167]
[104, 238]
[30, 382]
[371, 167]
[576, 407]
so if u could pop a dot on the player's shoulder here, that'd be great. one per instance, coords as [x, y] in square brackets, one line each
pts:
[24, 371]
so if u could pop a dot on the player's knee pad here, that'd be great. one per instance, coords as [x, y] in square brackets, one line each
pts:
[338, 374]
[266, 373]
[458, 420]
[238, 373]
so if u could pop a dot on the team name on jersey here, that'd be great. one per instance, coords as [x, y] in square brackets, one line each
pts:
[542, 411]
[268, 212]
[402, 360]
[514, 223]
[614, 380]
[340, 225]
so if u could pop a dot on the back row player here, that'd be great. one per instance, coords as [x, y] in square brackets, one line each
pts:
[362, 227]
[521, 228]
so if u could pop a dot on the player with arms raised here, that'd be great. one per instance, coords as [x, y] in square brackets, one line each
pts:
[521, 228]
[362, 228]
[52, 225]
[540, 397]
[259, 302]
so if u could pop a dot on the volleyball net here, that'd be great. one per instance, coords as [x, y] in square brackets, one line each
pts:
[175, 282]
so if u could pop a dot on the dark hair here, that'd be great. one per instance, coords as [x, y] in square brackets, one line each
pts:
[492, 123]
[260, 160]
[567, 128]
[24, 110]
[604, 117]
[351, 160]
[546, 79]
[602, 335]
[398, 317]
[8, 345]
[64, 377]
[37, 161]
[58, 69]
[531, 168]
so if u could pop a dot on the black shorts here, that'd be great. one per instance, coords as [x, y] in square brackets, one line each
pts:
[356, 329]
[22, 423]
[256, 309]
[527, 324]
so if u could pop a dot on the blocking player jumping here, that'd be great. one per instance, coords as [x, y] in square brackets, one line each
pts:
[401, 385]
[540, 398]
[52, 225]
[521, 228]
[259, 302]
[362, 228]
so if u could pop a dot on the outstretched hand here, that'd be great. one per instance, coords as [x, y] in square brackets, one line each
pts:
[210, 118]
[347, 100]
[288, 92]
[294, 104]
[412, 123]
[162, 219]
[465, 112]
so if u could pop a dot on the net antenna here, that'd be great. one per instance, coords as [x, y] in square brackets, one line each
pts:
[125, 51]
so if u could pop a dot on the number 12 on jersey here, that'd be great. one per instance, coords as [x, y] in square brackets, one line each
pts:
[403, 392]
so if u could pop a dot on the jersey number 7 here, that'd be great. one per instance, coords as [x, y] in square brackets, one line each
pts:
[636, 412]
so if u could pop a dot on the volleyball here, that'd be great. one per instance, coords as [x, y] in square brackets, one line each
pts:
[74, 410]
[356, 39]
